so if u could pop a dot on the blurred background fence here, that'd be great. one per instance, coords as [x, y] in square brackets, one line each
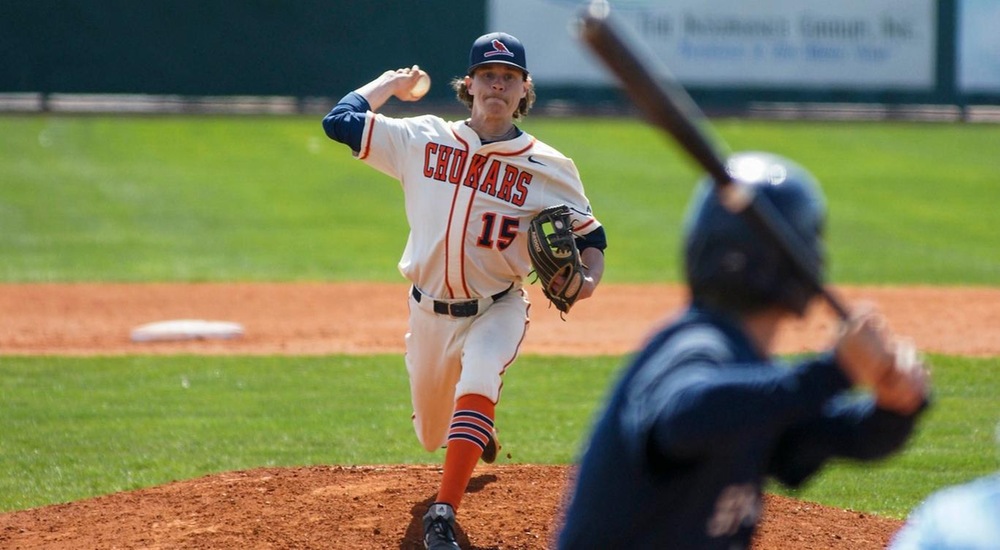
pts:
[794, 58]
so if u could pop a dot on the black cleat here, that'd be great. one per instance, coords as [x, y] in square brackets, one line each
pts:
[439, 528]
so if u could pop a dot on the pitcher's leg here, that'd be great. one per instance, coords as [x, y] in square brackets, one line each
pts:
[491, 345]
[433, 365]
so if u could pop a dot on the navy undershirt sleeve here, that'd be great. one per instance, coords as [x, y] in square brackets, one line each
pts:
[346, 122]
[595, 239]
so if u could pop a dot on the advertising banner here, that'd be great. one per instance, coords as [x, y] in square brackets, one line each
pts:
[979, 46]
[847, 44]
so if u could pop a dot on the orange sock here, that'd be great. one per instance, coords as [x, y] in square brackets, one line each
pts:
[473, 419]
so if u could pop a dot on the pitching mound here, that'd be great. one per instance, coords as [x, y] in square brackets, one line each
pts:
[355, 508]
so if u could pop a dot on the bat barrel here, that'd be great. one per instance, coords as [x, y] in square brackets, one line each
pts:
[666, 104]
[652, 88]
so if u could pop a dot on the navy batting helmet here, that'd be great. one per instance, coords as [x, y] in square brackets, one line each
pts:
[730, 264]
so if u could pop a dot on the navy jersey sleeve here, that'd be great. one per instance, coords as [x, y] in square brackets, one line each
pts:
[849, 427]
[346, 121]
[713, 407]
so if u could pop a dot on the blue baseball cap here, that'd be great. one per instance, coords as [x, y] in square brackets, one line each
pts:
[497, 47]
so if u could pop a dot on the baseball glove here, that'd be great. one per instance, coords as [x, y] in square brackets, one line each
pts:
[554, 256]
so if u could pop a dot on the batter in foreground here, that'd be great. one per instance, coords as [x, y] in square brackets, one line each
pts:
[470, 189]
[705, 414]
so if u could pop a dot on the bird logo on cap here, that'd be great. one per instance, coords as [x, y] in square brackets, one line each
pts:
[498, 49]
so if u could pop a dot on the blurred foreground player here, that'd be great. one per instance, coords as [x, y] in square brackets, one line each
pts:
[965, 516]
[705, 413]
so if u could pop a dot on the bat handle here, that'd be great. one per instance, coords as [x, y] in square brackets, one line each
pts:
[835, 303]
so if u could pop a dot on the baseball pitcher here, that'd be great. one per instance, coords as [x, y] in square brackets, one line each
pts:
[471, 190]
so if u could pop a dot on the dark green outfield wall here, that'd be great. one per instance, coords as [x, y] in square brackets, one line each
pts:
[227, 47]
[308, 48]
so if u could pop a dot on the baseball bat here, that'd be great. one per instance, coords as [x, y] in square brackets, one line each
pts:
[667, 105]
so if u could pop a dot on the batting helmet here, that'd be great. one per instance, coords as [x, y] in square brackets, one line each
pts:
[732, 265]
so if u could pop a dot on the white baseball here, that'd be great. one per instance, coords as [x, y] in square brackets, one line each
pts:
[421, 87]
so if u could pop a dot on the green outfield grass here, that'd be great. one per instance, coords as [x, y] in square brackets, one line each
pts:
[955, 441]
[75, 428]
[95, 198]
[271, 198]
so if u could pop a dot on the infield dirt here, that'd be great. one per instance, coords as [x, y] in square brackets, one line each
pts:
[508, 506]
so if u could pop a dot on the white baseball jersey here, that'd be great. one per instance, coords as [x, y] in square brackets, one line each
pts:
[468, 204]
[965, 516]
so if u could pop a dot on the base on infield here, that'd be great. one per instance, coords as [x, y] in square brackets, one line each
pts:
[186, 329]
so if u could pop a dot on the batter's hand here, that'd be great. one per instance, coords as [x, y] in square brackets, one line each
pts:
[864, 351]
[872, 356]
[906, 387]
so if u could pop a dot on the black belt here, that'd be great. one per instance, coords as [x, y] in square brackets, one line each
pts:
[467, 308]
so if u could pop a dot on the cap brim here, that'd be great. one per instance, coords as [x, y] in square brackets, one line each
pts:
[497, 62]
